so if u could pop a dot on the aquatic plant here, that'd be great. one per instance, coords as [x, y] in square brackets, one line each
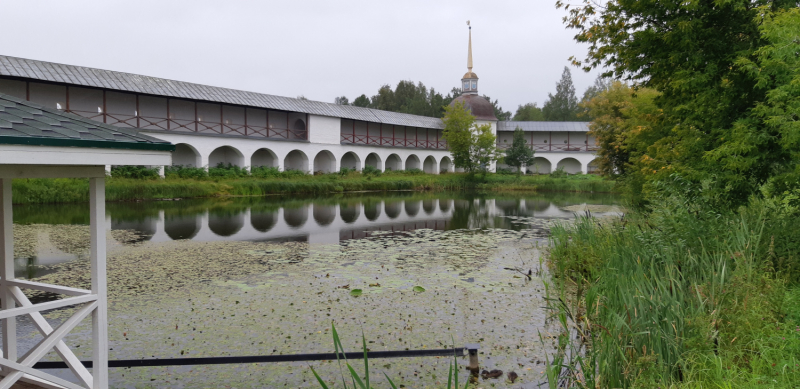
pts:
[681, 296]
[355, 379]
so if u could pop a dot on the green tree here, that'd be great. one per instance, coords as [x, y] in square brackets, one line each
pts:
[519, 153]
[361, 101]
[623, 124]
[563, 106]
[341, 100]
[529, 113]
[724, 71]
[473, 147]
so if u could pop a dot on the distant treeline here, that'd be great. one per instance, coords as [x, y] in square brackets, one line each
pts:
[417, 99]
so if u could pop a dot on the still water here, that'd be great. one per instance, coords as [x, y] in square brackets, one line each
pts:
[268, 276]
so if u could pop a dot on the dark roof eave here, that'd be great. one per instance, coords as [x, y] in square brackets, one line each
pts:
[25, 141]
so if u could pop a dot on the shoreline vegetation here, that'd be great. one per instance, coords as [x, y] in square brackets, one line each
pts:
[679, 296]
[239, 183]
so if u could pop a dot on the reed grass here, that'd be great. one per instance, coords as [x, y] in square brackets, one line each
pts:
[49, 191]
[679, 297]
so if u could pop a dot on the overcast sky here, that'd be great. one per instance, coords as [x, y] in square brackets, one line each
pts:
[319, 49]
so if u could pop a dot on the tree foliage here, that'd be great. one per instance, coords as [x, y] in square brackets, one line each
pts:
[563, 106]
[727, 76]
[529, 113]
[519, 153]
[415, 99]
[473, 147]
[622, 122]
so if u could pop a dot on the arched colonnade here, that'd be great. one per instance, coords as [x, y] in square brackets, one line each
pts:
[309, 158]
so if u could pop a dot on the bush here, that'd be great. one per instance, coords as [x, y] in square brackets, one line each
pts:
[139, 172]
[180, 171]
[227, 171]
[265, 172]
[559, 173]
[371, 171]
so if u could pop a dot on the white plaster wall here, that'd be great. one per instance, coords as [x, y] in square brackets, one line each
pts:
[248, 146]
[324, 129]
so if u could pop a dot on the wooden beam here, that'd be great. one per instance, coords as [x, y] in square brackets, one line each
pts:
[46, 287]
[51, 171]
[13, 312]
[7, 269]
[97, 254]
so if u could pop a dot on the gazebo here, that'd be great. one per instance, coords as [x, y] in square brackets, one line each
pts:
[39, 142]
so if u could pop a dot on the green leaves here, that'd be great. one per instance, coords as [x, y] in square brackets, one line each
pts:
[519, 153]
[418, 289]
[356, 292]
[472, 147]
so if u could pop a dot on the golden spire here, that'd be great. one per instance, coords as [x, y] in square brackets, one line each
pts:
[469, 56]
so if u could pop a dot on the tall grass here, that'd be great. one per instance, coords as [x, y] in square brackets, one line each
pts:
[680, 297]
[187, 183]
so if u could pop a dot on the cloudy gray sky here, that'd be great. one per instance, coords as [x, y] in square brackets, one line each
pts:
[319, 49]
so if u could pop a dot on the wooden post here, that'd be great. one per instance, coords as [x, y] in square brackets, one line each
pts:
[7, 272]
[97, 225]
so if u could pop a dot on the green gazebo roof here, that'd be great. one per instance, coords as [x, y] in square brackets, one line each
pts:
[25, 123]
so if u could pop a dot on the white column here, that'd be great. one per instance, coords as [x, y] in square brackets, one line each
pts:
[585, 168]
[7, 272]
[161, 171]
[108, 170]
[97, 210]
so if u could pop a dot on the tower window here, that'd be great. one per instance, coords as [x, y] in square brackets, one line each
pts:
[474, 84]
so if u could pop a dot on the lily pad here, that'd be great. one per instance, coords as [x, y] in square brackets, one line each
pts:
[355, 292]
[418, 289]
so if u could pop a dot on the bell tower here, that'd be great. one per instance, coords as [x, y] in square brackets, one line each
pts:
[469, 83]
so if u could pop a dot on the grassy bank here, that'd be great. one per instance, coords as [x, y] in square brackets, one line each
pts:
[46, 191]
[680, 297]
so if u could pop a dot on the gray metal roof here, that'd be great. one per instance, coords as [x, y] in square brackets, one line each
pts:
[98, 78]
[26, 123]
[544, 126]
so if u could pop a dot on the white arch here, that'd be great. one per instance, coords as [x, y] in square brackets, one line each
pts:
[540, 165]
[412, 162]
[593, 167]
[185, 155]
[324, 162]
[430, 166]
[296, 160]
[570, 165]
[394, 162]
[351, 161]
[226, 155]
[374, 160]
[264, 157]
[446, 164]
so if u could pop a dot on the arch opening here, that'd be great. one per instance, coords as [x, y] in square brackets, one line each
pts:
[570, 165]
[351, 161]
[295, 217]
[324, 162]
[264, 158]
[594, 166]
[349, 212]
[540, 166]
[373, 160]
[181, 227]
[394, 163]
[412, 207]
[299, 125]
[263, 221]
[324, 214]
[225, 155]
[412, 162]
[429, 206]
[296, 160]
[429, 166]
[393, 208]
[372, 210]
[185, 155]
[446, 165]
[224, 223]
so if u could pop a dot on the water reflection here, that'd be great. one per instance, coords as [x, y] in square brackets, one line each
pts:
[287, 219]
[181, 226]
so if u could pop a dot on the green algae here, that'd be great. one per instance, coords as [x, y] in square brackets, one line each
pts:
[203, 299]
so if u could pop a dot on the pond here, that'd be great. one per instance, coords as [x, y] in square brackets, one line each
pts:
[263, 276]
